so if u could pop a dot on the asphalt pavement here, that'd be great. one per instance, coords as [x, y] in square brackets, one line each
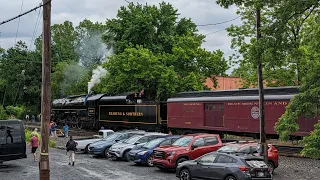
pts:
[87, 167]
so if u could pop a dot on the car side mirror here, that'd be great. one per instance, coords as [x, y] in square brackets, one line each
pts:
[117, 140]
[193, 147]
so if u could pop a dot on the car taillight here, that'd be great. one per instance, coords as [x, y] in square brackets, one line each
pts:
[244, 168]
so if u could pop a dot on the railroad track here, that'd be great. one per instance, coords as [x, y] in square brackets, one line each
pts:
[289, 150]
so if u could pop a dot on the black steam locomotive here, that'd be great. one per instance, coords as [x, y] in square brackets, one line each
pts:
[123, 111]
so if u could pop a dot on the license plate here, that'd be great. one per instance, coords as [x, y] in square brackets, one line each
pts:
[260, 174]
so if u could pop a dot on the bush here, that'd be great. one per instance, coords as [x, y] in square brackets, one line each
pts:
[17, 111]
[52, 143]
[3, 114]
[312, 143]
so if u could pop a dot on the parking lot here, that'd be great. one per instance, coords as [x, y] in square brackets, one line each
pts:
[87, 167]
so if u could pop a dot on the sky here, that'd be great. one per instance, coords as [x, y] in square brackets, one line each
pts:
[200, 11]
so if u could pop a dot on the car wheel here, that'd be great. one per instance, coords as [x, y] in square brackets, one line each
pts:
[126, 156]
[180, 161]
[149, 161]
[185, 174]
[230, 178]
[106, 152]
[86, 150]
[271, 167]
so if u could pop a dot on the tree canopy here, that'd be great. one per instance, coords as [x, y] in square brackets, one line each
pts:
[290, 54]
[156, 52]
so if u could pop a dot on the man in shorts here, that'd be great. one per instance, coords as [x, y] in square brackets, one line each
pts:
[34, 146]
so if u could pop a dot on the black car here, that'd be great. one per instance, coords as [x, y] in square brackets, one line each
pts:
[12, 140]
[224, 166]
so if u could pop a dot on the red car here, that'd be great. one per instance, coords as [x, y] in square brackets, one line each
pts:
[188, 147]
[251, 148]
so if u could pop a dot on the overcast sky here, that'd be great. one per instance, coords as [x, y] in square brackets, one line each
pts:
[201, 12]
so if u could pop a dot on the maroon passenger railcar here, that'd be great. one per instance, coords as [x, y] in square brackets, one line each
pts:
[231, 111]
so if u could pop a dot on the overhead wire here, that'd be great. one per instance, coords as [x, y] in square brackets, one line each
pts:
[27, 12]
[213, 24]
[15, 40]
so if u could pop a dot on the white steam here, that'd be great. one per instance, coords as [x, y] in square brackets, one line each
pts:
[99, 72]
[96, 76]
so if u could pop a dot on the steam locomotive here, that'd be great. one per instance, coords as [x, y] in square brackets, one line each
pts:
[126, 110]
[227, 111]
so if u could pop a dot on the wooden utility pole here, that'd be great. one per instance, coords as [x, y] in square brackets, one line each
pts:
[44, 168]
[263, 143]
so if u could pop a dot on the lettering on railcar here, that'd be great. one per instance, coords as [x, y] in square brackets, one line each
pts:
[125, 114]
[272, 103]
[187, 122]
[187, 110]
[192, 104]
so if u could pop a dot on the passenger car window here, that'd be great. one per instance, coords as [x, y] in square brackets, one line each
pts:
[13, 133]
[211, 141]
[225, 159]
[254, 149]
[245, 150]
[198, 143]
[166, 142]
[208, 158]
[143, 140]
[2, 134]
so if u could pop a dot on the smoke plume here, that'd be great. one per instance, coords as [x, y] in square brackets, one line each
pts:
[99, 72]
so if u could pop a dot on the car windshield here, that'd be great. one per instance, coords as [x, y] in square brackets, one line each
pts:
[153, 143]
[111, 137]
[133, 139]
[228, 148]
[184, 141]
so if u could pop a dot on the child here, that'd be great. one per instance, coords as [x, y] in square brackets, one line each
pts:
[34, 146]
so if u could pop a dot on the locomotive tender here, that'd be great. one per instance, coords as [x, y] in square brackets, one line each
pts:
[224, 111]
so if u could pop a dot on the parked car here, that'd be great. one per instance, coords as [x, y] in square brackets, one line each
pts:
[143, 155]
[121, 149]
[101, 148]
[252, 148]
[83, 144]
[188, 147]
[12, 140]
[223, 166]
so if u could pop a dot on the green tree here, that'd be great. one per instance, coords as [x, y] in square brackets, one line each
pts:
[283, 24]
[157, 52]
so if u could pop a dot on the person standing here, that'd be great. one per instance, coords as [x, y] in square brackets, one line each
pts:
[54, 129]
[71, 148]
[50, 130]
[66, 130]
[34, 142]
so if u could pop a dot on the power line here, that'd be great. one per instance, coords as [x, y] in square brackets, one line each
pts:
[20, 15]
[218, 22]
[15, 39]
[35, 29]
[216, 31]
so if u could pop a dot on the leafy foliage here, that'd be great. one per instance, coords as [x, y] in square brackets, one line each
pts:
[156, 54]
[3, 114]
[312, 143]
[290, 50]
[17, 111]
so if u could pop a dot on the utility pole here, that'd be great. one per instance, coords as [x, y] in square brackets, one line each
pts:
[44, 168]
[263, 144]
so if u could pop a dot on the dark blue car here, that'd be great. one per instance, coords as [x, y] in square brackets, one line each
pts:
[143, 155]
